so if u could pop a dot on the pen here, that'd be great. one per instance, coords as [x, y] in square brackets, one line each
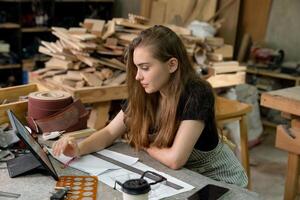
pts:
[69, 162]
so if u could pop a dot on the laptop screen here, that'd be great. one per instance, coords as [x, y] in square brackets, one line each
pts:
[33, 145]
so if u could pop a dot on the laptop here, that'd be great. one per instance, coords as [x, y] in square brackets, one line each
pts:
[38, 156]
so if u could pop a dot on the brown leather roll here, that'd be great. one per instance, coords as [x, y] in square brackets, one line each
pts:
[55, 111]
[46, 103]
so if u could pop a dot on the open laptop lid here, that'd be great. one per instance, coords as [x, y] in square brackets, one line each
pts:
[33, 145]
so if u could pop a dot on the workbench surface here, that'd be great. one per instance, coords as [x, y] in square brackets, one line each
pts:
[38, 187]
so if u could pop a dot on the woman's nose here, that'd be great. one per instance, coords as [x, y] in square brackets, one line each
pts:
[138, 75]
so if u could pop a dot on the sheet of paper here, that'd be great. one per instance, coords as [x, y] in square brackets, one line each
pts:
[93, 165]
[158, 191]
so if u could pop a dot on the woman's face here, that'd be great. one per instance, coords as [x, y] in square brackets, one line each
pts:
[152, 74]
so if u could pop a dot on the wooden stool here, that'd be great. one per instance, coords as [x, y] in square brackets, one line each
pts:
[228, 111]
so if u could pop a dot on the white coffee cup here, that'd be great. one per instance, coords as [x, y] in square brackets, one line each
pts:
[138, 189]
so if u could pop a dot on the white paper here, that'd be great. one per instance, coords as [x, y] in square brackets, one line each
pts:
[94, 165]
[158, 191]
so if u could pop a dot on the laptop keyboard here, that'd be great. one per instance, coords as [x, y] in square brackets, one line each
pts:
[22, 164]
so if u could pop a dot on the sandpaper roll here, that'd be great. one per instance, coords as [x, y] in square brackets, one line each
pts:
[46, 103]
[71, 118]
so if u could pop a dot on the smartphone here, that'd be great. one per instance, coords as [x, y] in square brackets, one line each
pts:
[209, 192]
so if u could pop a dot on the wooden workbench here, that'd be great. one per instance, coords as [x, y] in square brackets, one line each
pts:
[287, 138]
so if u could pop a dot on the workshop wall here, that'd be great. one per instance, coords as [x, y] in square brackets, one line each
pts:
[284, 28]
[123, 7]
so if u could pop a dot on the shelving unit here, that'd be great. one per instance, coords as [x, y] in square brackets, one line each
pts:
[10, 66]
[273, 74]
[282, 80]
[22, 28]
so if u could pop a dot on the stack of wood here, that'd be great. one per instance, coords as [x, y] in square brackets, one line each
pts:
[92, 55]
[84, 56]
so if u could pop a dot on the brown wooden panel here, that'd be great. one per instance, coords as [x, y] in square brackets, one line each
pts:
[285, 100]
[231, 15]
[255, 17]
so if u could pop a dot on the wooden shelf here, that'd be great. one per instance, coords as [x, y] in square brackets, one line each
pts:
[35, 29]
[9, 25]
[10, 66]
[270, 73]
[29, 1]
[84, 0]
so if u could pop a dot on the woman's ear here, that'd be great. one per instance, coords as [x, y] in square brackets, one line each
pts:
[173, 65]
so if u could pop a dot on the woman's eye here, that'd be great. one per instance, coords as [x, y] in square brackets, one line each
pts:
[145, 68]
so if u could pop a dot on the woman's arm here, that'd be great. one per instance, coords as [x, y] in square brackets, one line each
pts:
[97, 141]
[105, 137]
[177, 155]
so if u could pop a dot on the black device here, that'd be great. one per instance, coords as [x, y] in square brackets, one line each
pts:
[209, 192]
[59, 194]
[38, 156]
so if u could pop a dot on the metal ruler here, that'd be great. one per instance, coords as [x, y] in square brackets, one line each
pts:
[9, 195]
[135, 170]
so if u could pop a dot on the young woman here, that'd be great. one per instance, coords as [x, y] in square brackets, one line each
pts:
[169, 112]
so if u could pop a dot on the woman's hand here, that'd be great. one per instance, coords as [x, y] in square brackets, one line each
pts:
[67, 146]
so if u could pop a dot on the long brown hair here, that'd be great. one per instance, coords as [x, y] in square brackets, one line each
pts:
[140, 114]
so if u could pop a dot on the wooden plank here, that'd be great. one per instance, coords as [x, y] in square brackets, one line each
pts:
[179, 29]
[228, 69]
[13, 93]
[91, 79]
[121, 78]
[77, 30]
[49, 47]
[9, 25]
[158, 12]
[214, 57]
[19, 108]
[110, 29]
[98, 28]
[84, 37]
[290, 189]
[209, 10]
[288, 139]
[145, 8]
[244, 48]
[127, 23]
[175, 11]
[227, 80]
[113, 62]
[109, 63]
[225, 63]
[228, 29]
[215, 41]
[255, 24]
[126, 36]
[269, 73]
[285, 100]
[226, 50]
[99, 115]
[101, 94]
[198, 8]
[73, 75]
[55, 63]
[92, 62]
